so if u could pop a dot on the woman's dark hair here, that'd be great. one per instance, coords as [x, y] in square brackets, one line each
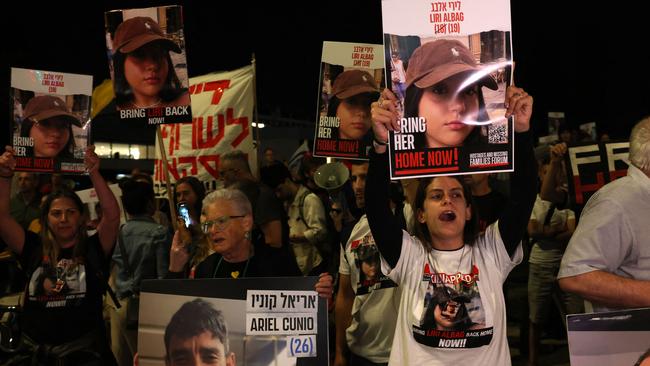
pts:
[421, 230]
[172, 87]
[68, 149]
[197, 187]
[47, 273]
[411, 104]
[334, 103]
[51, 249]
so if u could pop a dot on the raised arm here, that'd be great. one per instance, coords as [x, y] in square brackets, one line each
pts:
[343, 318]
[552, 185]
[514, 219]
[10, 231]
[108, 226]
[384, 226]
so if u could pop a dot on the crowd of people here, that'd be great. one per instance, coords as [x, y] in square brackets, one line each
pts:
[413, 272]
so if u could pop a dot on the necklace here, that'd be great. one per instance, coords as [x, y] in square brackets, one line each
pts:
[435, 268]
[157, 103]
[234, 274]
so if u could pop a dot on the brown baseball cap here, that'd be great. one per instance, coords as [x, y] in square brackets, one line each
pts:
[352, 82]
[43, 107]
[435, 61]
[134, 33]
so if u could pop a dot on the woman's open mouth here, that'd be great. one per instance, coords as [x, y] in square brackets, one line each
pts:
[447, 216]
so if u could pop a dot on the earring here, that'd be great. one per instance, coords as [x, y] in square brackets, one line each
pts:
[247, 235]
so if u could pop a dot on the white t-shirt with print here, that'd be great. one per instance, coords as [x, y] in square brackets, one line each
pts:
[376, 304]
[467, 283]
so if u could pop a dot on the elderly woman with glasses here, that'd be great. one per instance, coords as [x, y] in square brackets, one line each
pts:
[238, 250]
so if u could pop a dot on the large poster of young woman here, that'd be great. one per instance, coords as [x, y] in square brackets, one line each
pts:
[449, 64]
[352, 75]
[50, 121]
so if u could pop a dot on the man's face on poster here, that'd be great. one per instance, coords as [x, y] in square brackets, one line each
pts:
[202, 349]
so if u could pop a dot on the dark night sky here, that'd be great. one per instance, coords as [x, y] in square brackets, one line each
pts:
[592, 64]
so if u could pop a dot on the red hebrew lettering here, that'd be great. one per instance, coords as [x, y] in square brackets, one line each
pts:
[218, 87]
[243, 121]
[191, 160]
[196, 88]
[211, 140]
[173, 169]
[173, 133]
[211, 164]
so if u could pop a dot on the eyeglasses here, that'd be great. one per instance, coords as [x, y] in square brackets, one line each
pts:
[337, 210]
[220, 223]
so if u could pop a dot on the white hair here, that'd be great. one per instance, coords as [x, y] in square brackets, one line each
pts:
[640, 145]
[237, 197]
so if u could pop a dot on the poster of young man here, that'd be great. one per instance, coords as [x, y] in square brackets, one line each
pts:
[610, 338]
[50, 118]
[351, 77]
[146, 51]
[449, 64]
[246, 321]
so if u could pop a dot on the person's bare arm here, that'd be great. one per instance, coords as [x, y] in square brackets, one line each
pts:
[608, 289]
[551, 189]
[272, 233]
[343, 313]
[10, 231]
[109, 225]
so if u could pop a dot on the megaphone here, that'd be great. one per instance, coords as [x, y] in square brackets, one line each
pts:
[331, 176]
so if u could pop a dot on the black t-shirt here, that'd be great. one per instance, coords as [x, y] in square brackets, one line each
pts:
[63, 300]
[266, 262]
[489, 207]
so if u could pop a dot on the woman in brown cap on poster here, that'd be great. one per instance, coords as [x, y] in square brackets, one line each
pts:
[443, 86]
[144, 72]
[352, 94]
[48, 122]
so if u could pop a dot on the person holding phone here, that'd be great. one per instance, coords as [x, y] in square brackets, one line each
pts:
[190, 193]
[184, 213]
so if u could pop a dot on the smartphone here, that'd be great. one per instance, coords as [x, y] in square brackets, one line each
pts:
[184, 212]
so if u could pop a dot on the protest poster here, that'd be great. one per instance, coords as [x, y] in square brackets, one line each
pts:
[610, 338]
[148, 64]
[222, 105]
[456, 61]
[49, 123]
[591, 166]
[93, 208]
[351, 77]
[268, 321]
